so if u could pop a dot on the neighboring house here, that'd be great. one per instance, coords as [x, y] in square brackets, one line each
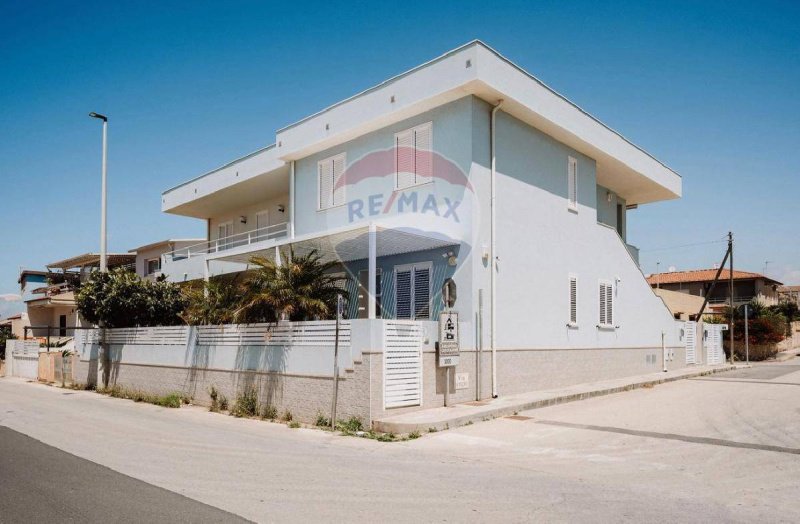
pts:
[468, 168]
[50, 296]
[148, 257]
[746, 286]
[16, 323]
[683, 306]
[790, 294]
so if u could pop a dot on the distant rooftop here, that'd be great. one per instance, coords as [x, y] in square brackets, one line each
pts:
[703, 275]
[93, 260]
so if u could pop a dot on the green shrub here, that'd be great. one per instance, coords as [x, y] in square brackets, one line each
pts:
[287, 416]
[322, 421]
[269, 412]
[294, 425]
[246, 404]
[414, 435]
[218, 401]
[350, 426]
[173, 400]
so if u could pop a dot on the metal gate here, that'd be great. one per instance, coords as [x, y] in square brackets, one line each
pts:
[402, 364]
[712, 338]
[690, 341]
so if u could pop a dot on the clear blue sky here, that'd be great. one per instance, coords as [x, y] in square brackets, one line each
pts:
[709, 88]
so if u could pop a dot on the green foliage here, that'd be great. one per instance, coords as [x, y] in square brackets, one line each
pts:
[5, 334]
[172, 400]
[294, 425]
[287, 416]
[213, 302]
[269, 412]
[414, 435]
[120, 298]
[246, 404]
[322, 421]
[301, 288]
[350, 426]
[218, 401]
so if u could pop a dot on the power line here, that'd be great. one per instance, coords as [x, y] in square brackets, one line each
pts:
[683, 246]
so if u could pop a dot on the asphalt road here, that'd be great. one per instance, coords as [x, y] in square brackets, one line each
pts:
[721, 448]
[39, 483]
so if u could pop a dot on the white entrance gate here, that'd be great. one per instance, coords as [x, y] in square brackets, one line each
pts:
[24, 358]
[690, 341]
[402, 364]
[712, 334]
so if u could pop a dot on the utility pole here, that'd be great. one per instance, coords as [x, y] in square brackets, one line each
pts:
[730, 286]
[658, 275]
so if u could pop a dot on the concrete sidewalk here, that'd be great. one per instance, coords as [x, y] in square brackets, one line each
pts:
[460, 414]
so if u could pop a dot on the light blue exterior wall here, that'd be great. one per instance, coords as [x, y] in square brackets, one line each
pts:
[607, 210]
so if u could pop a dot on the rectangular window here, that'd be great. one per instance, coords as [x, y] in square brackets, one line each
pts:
[153, 266]
[414, 156]
[572, 183]
[573, 300]
[606, 304]
[329, 172]
[413, 291]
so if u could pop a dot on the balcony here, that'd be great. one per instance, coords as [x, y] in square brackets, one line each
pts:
[188, 263]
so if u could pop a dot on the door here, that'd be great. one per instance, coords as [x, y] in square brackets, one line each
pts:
[262, 226]
[413, 291]
[224, 232]
[363, 293]
[62, 325]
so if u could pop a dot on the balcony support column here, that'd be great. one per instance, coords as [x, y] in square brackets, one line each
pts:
[372, 270]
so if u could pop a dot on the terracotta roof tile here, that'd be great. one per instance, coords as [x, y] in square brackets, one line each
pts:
[702, 275]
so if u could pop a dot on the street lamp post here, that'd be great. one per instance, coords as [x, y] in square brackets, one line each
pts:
[103, 235]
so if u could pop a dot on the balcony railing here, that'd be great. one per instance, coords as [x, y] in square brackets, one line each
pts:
[262, 234]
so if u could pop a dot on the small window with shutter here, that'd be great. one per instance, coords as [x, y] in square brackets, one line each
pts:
[572, 183]
[414, 156]
[606, 304]
[329, 173]
[573, 300]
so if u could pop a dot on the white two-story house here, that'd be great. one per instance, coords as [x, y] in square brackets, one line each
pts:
[465, 168]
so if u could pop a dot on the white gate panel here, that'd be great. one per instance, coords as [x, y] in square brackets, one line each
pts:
[690, 341]
[713, 344]
[402, 364]
[24, 356]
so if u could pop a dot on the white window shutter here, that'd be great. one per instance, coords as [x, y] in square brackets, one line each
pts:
[325, 168]
[603, 318]
[572, 182]
[422, 292]
[573, 300]
[610, 304]
[423, 155]
[338, 167]
[404, 159]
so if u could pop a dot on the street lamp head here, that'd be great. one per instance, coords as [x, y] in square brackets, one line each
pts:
[98, 115]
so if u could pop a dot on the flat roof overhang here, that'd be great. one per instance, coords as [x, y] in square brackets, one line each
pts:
[343, 245]
[239, 183]
[93, 260]
[473, 69]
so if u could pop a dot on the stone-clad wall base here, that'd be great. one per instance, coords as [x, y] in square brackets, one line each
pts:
[521, 371]
[304, 396]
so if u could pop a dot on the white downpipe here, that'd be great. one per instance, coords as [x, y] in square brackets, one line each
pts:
[291, 199]
[493, 252]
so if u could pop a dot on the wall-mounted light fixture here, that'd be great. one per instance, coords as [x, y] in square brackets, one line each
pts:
[243, 219]
[281, 208]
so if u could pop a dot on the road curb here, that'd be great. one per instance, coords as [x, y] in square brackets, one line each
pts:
[486, 413]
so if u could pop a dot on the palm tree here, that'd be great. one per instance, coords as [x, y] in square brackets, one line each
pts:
[301, 288]
[212, 303]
